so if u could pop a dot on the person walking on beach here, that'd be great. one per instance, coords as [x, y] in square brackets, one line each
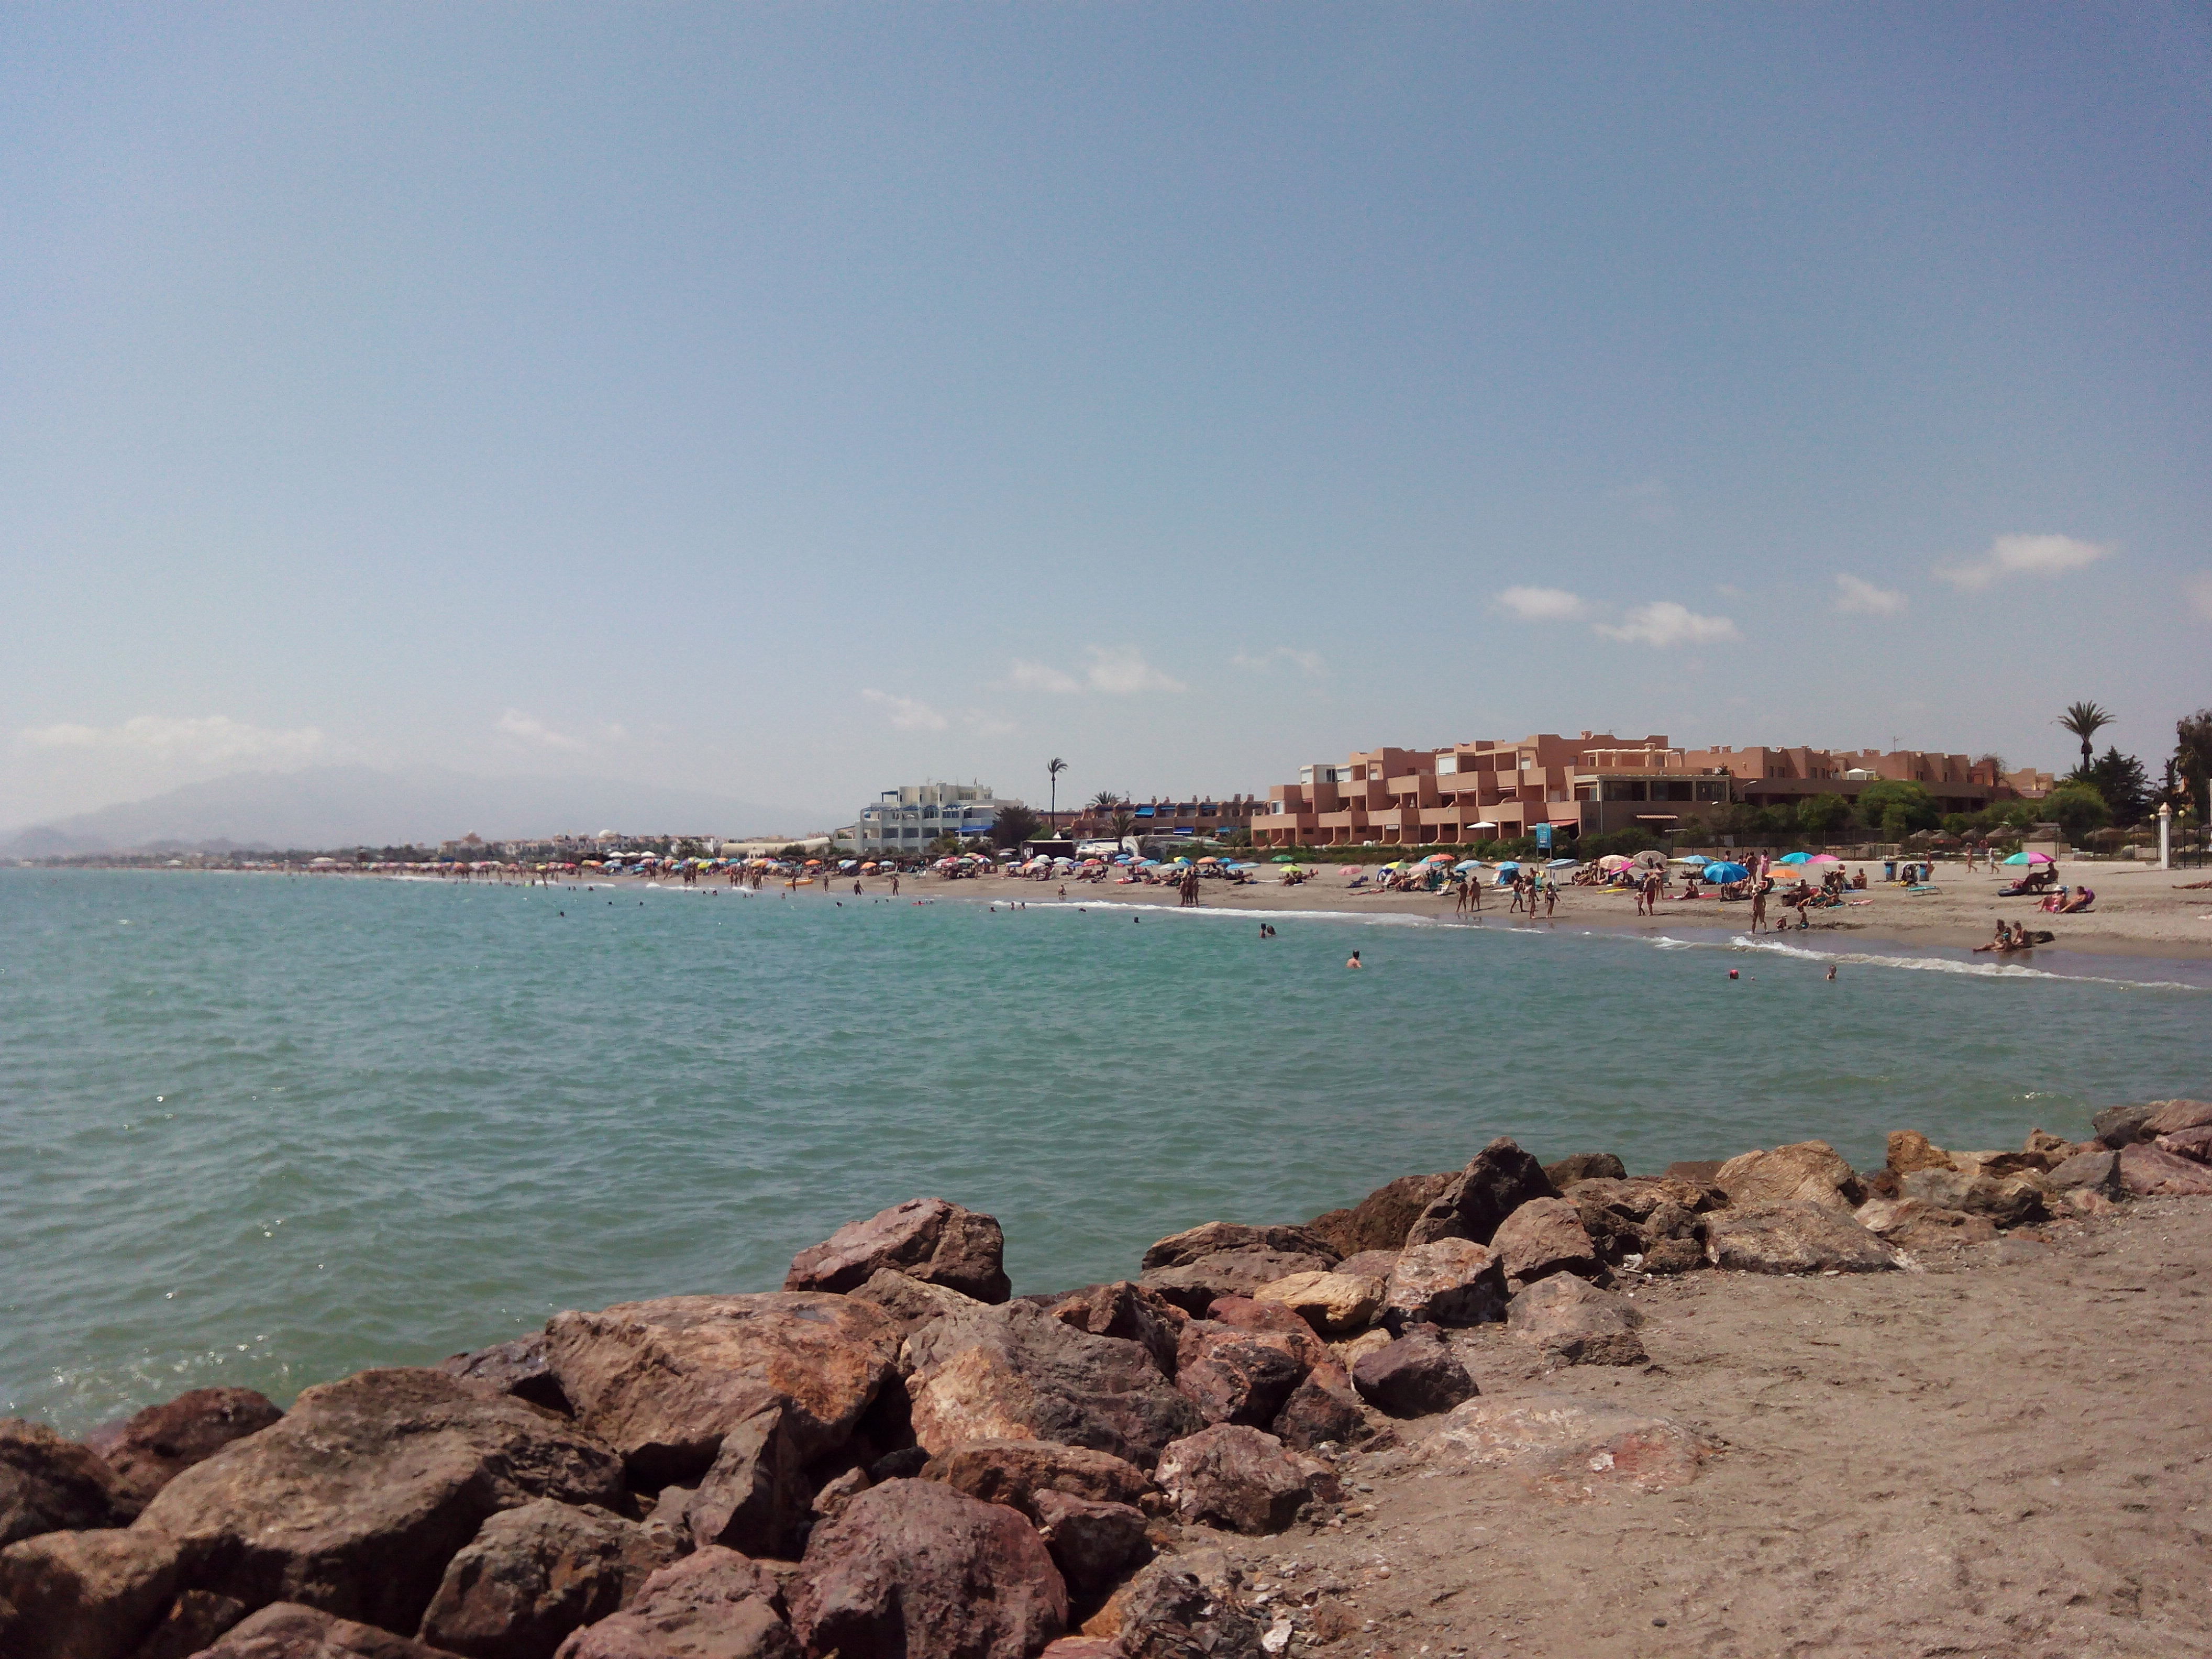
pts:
[894, 883]
[1758, 903]
[1551, 896]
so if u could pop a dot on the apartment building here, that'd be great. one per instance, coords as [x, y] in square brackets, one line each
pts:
[907, 818]
[1202, 816]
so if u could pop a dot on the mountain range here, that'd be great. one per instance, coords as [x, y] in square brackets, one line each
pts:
[361, 806]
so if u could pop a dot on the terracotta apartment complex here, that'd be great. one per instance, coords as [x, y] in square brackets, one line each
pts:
[1590, 784]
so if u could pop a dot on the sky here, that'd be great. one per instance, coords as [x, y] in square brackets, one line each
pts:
[796, 401]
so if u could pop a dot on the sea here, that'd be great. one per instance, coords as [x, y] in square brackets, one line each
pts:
[267, 1130]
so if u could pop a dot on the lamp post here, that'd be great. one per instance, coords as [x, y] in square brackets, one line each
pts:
[2165, 834]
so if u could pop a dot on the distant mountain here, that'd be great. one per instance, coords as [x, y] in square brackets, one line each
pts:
[359, 805]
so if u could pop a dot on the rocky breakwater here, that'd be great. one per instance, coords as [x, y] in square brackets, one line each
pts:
[891, 1455]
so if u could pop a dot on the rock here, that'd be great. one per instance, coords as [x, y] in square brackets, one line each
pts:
[1236, 1379]
[1910, 1150]
[1123, 1309]
[1799, 1237]
[1629, 1217]
[48, 1484]
[911, 1301]
[1571, 1448]
[1450, 1281]
[287, 1630]
[1674, 1255]
[1414, 1377]
[2195, 1144]
[663, 1381]
[2008, 1203]
[2097, 1171]
[1698, 1171]
[1497, 1181]
[924, 1238]
[1195, 1244]
[2000, 1165]
[1268, 1321]
[906, 1464]
[1196, 1285]
[914, 1569]
[92, 1594]
[1243, 1480]
[1371, 1264]
[2056, 1147]
[1578, 1322]
[149, 1449]
[1585, 1166]
[1081, 1647]
[1333, 1303]
[1542, 1238]
[830, 1502]
[193, 1623]
[1093, 1543]
[531, 1575]
[1807, 1172]
[755, 1497]
[1912, 1224]
[1381, 1220]
[2120, 1126]
[1013, 1473]
[1169, 1611]
[2147, 1171]
[1322, 1408]
[355, 1501]
[519, 1368]
[1015, 1373]
[2170, 1117]
[714, 1605]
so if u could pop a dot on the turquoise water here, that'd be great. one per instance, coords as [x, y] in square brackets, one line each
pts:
[269, 1130]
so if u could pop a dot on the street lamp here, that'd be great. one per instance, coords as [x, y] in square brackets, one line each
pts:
[2165, 834]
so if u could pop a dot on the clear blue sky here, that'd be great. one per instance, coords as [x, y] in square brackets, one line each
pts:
[796, 400]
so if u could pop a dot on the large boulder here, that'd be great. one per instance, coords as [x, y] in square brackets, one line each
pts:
[924, 1238]
[1912, 1224]
[1585, 1166]
[1169, 1611]
[1910, 1150]
[914, 1569]
[1414, 1377]
[755, 1497]
[1093, 1543]
[1809, 1172]
[663, 1381]
[1333, 1303]
[1240, 1478]
[2120, 1126]
[1324, 1409]
[1233, 1378]
[1575, 1322]
[1633, 1216]
[911, 1301]
[1126, 1309]
[83, 1594]
[195, 1620]
[2171, 1117]
[2194, 1144]
[531, 1575]
[1497, 1181]
[1381, 1220]
[714, 1604]
[2147, 1171]
[287, 1630]
[48, 1484]
[1015, 1373]
[1195, 1285]
[518, 1367]
[2008, 1202]
[356, 1500]
[1794, 1237]
[1542, 1238]
[1014, 1471]
[1569, 1447]
[1212, 1237]
[151, 1448]
[2096, 1172]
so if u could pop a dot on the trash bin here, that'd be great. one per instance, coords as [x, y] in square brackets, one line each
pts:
[1889, 869]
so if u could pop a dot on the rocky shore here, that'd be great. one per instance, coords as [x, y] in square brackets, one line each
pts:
[893, 1457]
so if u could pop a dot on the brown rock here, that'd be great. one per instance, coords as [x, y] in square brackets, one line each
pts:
[663, 1381]
[356, 1500]
[1910, 1150]
[1333, 1303]
[2147, 1171]
[914, 1569]
[924, 1238]
[1798, 1237]
[2097, 1171]
[911, 1301]
[1542, 1238]
[519, 1368]
[48, 1484]
[1322, 1409]
[1578, 1323]
[2119, 1126]
[1809, 1172]
[2170, 1117]
[287, 1630]
[2042, 1140]
[1239, 1381]
[1674, 1255]
[150, 1450]
[1081, 1647]
[1093, 1543]
[1252, 1317]
[755, 1497]
[1238, 1478]
[83, 1594]
[1451, 1281]
[2008, 1203]
[1168, 1611]
[714, 1605]
[1195, 1285]
[1212, 1237]
[1371, 1264]
[194, 1621]
[1570, 1447]
[1417, 1375]
[1585, 1166]
[531, 1575]
[1628, 1217]
[1912, 1224]
[1497, 1181]
[1013, 1473]
[1698, 1171]
[2195, 1144]
[1014, 1373]
[1123, 1309]
[1381, 1220]
[830, 1502]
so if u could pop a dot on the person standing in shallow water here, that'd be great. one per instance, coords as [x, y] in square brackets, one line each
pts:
[1355, 962]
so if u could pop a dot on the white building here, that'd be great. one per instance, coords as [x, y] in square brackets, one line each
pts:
[907, 818]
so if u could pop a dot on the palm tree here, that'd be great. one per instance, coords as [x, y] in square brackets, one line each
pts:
[1124, 822]
[1053, 768]
[1104, 801]
[2084, 720]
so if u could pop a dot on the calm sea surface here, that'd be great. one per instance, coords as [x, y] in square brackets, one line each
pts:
[269, 1130]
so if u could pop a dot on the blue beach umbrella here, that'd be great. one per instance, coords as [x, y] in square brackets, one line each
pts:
[1469, 864]
[1725, 873]
[1795, 858]
[1560, 864]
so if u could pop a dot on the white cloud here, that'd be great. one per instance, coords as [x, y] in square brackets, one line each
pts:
[530, 729]
[1541, 604]
[208, 739]
[1119, 672]
[908, 714]
[1663, 623]
[2024, 555]
[1862, 598]
[2200, 596]
[1308, 662]
[985, 724]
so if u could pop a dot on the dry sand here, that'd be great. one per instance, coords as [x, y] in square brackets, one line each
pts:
[2006, 1454]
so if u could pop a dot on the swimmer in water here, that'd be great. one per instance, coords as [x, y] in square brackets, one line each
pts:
[1355, 962]
[1831, 970]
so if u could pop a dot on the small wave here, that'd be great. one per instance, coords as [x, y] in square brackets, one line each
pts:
[1914, 964]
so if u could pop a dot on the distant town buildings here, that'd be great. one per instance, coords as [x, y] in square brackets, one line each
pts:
[1591, 784]
[1203, 817]
[907, 818]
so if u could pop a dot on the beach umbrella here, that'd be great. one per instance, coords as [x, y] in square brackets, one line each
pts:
[1688, 858]
[2029, 857]
[1795, 858]
[1725, 873]
[1560, 864]
[1350, 869]
[1469, 864]
[1282, 858]
[1610, 862]
[1824, 857]
[1649, 859]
